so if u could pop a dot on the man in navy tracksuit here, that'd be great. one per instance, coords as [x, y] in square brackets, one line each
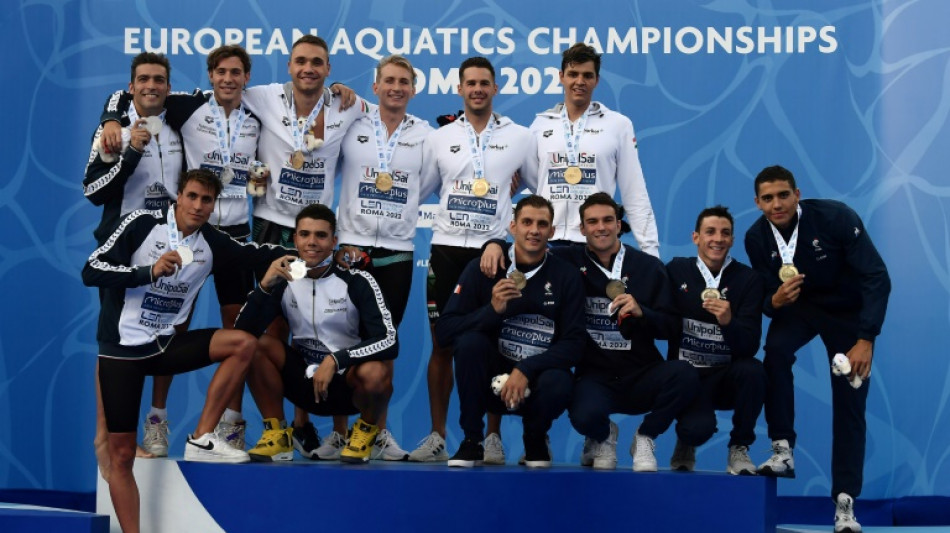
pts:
[835, 286]
[628, 305]
[534, 333]
[720, 303]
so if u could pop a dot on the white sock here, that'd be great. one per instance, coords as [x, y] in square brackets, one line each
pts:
[231, 416]
[162, 414]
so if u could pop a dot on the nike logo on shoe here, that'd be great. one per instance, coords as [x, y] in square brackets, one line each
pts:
[206, 447]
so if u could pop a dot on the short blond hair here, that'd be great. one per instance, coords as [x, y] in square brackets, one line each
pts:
[399, 61]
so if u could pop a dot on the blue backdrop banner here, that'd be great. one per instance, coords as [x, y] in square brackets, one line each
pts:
[852, 96]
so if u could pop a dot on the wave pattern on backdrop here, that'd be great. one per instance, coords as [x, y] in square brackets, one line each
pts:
[851, 95]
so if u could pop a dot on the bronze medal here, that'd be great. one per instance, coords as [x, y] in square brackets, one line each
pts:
[787, 272]
[711, 294]
[480, 187]
[615, 288]
[519, 278]
[297, 159]
[384, 181]
[573, 175]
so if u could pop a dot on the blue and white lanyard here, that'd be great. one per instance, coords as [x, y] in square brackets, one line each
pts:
[221, 128]
[787, 251]
[295, 129]
[477, 145]
[573, 142]
[384, 149]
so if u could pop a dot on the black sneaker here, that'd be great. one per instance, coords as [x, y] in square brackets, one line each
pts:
[306, 441]
[536, 451]
[470, 454]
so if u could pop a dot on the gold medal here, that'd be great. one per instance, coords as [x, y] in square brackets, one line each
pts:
[615, 288]
[787, 272]
[296, 160]
[518, 277]
[384, 181]
[573, 175]
[480, 187]
[711, 294]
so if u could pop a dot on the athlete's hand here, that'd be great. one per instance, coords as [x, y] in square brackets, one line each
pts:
[347, 95]
[347, 256]
[719, 309]
[492, 259]
[111, 137]
[166, 265]
[322, 378]
[788, 292]
[860, 356]
[139, 135]
[279, 269]
[503, 291]
[512, 394]
[515, 182]
[626, 305]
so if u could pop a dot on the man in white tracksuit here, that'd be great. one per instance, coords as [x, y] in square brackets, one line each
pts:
[584, 148]
[474, 158]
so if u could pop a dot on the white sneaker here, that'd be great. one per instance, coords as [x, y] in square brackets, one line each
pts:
[601, 455]
[331, 447]
[781, 464]
[845, 521]
[684, 457]
[642, 451]
[210, 448]
[494, 450]
[156, 436]
[739, 462]
[430, 449]
[387, 449]
[233, 434]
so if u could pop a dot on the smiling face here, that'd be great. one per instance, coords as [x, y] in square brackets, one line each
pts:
[531, 230]
[601, 227]
[579, 81]
[149, 88]
[713, 241]
[394, 87]
[308, 67]
[314, 240]
[477, 88]
[778, 201]
[195, 204]
[228, 79]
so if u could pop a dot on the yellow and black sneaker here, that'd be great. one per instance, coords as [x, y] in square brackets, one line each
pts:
[360, 445]
[275, 443]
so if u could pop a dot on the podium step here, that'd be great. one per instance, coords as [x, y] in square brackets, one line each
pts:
[17, 518]
[179, 496]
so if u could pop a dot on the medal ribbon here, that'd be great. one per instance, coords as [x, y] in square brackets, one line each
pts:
[297, 132]
[712, 282]
[613, 273]
[513, 266]
[174, 236]
[384, 149]
[787, 251]
[477, 145]
[573, 142]
[221, 128]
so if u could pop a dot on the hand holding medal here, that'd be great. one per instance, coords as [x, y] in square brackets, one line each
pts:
[505, 290]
